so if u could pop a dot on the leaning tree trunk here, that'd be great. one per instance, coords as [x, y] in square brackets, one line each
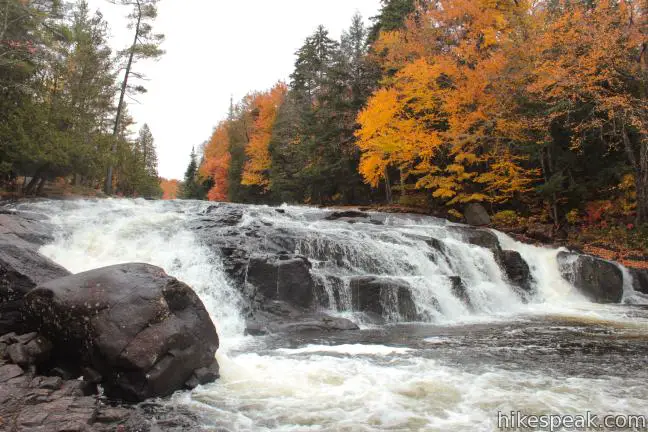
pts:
[38, 175]
[108, 186]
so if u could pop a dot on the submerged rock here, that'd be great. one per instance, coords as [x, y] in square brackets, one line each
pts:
[143, 331]
[599, 280]
[349, 214]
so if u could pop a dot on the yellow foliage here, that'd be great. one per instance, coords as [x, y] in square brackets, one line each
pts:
[265, 107]
[446, 113]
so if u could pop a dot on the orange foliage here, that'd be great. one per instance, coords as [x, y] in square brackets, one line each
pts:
[586, 58]
[446, 113]
[216, 162]
[264, 108]
[170, 189]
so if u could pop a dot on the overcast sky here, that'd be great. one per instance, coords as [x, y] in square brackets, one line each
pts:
[216, 49]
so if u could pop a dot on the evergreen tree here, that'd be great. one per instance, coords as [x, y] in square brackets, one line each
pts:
[391, 17]
[191, 188]
[145, 45]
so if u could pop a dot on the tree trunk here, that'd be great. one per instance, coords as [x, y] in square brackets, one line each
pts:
[547, 172]
[388, 190]
[41, 185]
[641, 182]
[34, 181]
[108, 187]
[639, 163]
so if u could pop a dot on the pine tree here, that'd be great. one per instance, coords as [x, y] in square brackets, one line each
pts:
[190, 187]
[145, 45]
[392, 16]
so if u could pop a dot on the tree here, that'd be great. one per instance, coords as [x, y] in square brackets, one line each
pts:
[145, 45]
[190, 186]
[170, 189]
[589, 75]
[392, 16]
[265, 107]
[146, 146]
[444, 117]
[216, 163]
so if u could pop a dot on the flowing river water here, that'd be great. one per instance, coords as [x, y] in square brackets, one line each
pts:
[556, 354]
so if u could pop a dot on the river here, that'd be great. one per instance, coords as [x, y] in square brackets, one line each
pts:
[555, 354]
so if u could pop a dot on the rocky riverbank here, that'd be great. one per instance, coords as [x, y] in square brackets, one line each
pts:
[76, 351]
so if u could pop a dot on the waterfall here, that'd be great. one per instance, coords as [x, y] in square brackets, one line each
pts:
[545, 350]
[429, 256]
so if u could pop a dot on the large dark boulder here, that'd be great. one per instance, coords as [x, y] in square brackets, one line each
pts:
[599, 280]
[390, 298]
[282, 277]
[517, 270]
[144, 332]
[476, 215]
[22, 268]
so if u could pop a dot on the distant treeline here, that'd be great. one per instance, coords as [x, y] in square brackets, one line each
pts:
[531, 107]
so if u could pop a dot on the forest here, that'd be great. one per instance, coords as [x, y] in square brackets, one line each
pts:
[536, 109]
[63, 98]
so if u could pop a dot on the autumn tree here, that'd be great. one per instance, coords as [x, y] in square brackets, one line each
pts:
[170, 189]
[444, 117]
[216, 163]
[264, 108]
[589, 76]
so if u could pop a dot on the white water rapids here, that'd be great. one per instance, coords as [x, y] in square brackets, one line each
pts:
[557, 354]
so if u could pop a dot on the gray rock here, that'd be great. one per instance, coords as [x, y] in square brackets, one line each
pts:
[640, 280]
[19, 355]
[10, 371]
[599, 280]
[283, 277]
[142, 330]
[21, 269]
[476, 215]
[481, 238]
[28, 228]
[517, 270]
[460, 291]
[348, 214]
[390, 298]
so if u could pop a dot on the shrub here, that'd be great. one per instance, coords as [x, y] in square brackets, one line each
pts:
[506, 218]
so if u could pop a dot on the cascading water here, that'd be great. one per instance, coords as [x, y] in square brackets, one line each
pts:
[553, 353]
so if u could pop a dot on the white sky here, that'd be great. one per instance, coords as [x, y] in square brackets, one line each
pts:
[217, 49]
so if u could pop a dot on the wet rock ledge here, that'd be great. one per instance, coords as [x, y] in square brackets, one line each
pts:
[81, 352]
